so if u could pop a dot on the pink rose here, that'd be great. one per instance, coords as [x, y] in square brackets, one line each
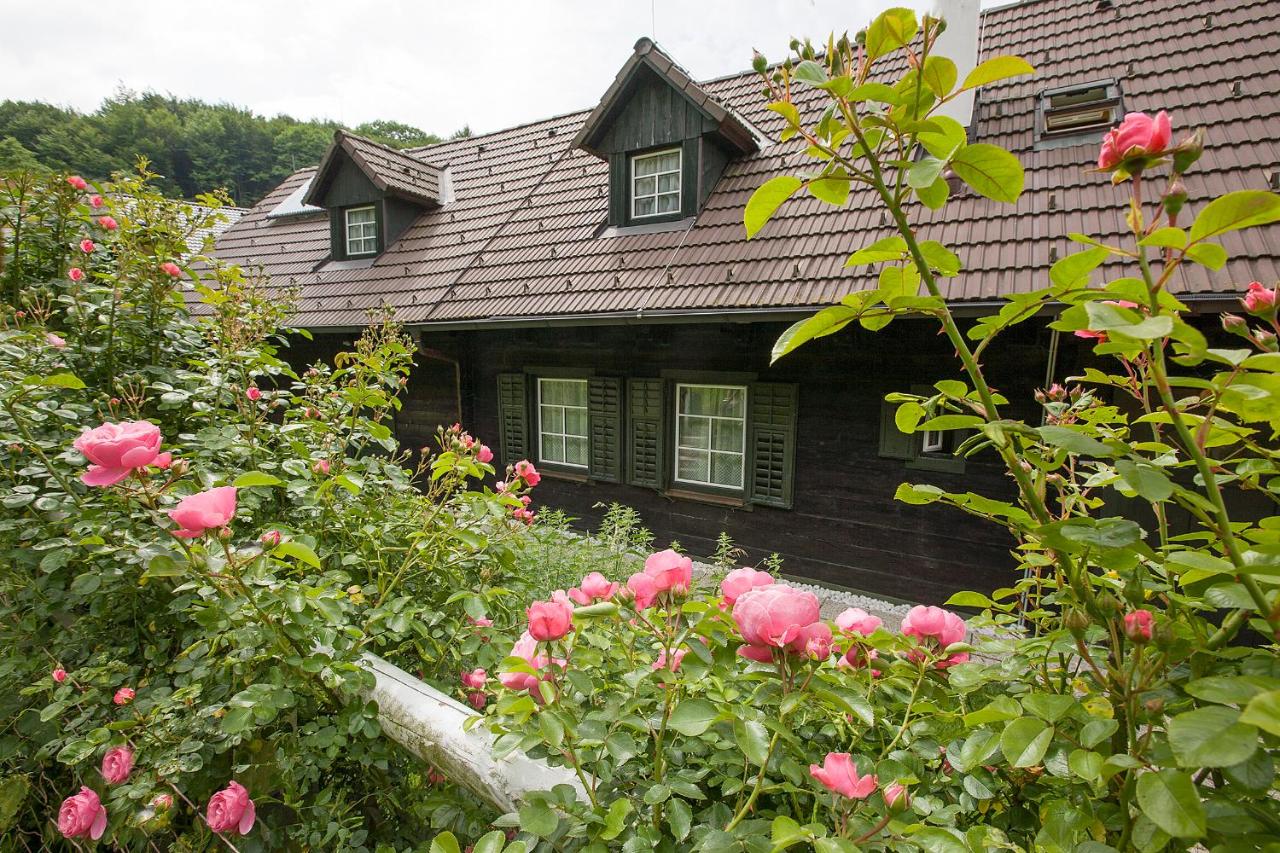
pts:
[115, 450]
[642, 590]
[163, 460]
[925, 623]
[320, 466]
[759, 654]
[79, 183]
[271, 538]
[549, 620]
[525, 471]
[55, 341]
[124, 696]
[813, 641]
[478, 700]
[594, 587]
[739, 581]
[524, 515]
[107, 223]
[895, 796]
[855, 620]
[484, 455]
[474, 679]
[171, 269]
[1139, 135]
[86, 246]
[526, 648]
[75, 274]
[1259, 299]
[211, 510]
[669, 571]
[117, 764]
[858, 658]
[59, 675]
[1137, 626]
[162, 802]
[82, 815]
[95, 200]
[671, 662]
[231, 809]
[774, 615]
[253, 393]
[838, 773]
[482, 622]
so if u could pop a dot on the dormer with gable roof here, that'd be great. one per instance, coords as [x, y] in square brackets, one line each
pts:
[373, 193]
[667, 140]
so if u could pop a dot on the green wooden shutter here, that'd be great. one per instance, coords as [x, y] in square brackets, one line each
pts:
[645, 433]
[895, 444]
[513, 417]
[773, 444]
[604, 428]
[619, 191]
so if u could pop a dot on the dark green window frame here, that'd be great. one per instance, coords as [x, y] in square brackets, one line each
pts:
[921, 450]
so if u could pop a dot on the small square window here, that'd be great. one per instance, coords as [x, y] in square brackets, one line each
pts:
[362, 231]
[655, 184]
[711, 431]
[1076, 111]
[562, 422]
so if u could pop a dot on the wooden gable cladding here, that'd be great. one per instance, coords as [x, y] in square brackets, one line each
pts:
[651, 114]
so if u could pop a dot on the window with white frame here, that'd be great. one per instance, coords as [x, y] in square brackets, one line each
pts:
[711, 435]
[362, 231]
[933, 442]
[562, 421]
[655, 184]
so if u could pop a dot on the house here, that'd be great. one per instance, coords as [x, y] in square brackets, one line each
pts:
[584, 296]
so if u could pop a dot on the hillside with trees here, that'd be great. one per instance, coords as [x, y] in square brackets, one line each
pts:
[194, 145]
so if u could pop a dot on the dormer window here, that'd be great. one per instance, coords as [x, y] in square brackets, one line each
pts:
[362, 231]
[655, 184]
[1074, 114]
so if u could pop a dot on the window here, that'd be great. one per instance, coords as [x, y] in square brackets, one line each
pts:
[932, 442]
[655, 184]
[711, 431]
[562, 422]
[1079, 110]
[362, 231]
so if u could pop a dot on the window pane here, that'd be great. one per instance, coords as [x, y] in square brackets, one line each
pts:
[697, 401]
[727, 435]
[668, 162]
[669, 182]
[668, 203]
[575, 421]
[644, 207]
[645, 186]
[553, 448]
[646, 165]
[733, 403]
[691, 465]
[577, 393]
[357, 216]
[552, 419]
[726, 469]
[575, 451]
[694, 432]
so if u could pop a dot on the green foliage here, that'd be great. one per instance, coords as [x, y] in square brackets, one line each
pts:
[193, 146]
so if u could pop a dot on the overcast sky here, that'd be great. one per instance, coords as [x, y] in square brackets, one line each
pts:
[436, 65]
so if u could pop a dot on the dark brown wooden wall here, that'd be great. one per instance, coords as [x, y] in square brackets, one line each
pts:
[845, 527]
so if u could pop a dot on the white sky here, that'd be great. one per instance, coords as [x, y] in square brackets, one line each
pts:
[435, 65]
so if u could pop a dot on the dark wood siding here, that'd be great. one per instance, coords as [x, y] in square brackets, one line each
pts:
[844, 527]
[349, 186]
[653, 114]
[397, 215]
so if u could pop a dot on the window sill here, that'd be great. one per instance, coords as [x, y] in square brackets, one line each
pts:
[731, 501]
[941, 464]
[561, 474]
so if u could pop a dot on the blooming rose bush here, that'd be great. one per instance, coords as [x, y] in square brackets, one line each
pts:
[193, 571]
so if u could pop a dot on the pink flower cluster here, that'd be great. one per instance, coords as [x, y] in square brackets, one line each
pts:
[664, 572]
[117, 450]
[775, 618]
[1259, 299]
[935, 629]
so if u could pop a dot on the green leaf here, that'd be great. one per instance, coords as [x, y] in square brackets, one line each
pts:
[1167, 237]
[1049, 707]
[944, 137]
[679, 818]
[86, 583]
[692, 717]
[76, 751]
[62, 380]
[766, 200]
[784, 832]
[996, 68]
[935, 195]
[493, 842]
[810, 72]
[237, 720]
[256, 478]
[991, 171]
[1263, 711]
[908, 416]
[1096, 731]
[940, 258]
[1211, 737]
[828, 321]
[297, 551]
[1145, 479]
[1074, 269]
[1024, 741]
[924, 172]
[1209, 255]
[537, 818]
[1169, 799]
[1000, 708]
[1085, 763]
[832, 189]
[1233, 211]
[1073, 441]
[939, 75]
[615, 820]
[1225, 689]
[892, 29]
[888, 249]
[753, 739]
[446, 842]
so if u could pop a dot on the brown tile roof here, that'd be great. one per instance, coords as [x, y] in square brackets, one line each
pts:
[391, 170]
[523, 239]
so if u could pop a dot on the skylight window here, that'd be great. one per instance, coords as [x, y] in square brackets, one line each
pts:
[1074, 111]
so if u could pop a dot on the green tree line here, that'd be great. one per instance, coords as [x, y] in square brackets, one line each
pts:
[195, 146]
